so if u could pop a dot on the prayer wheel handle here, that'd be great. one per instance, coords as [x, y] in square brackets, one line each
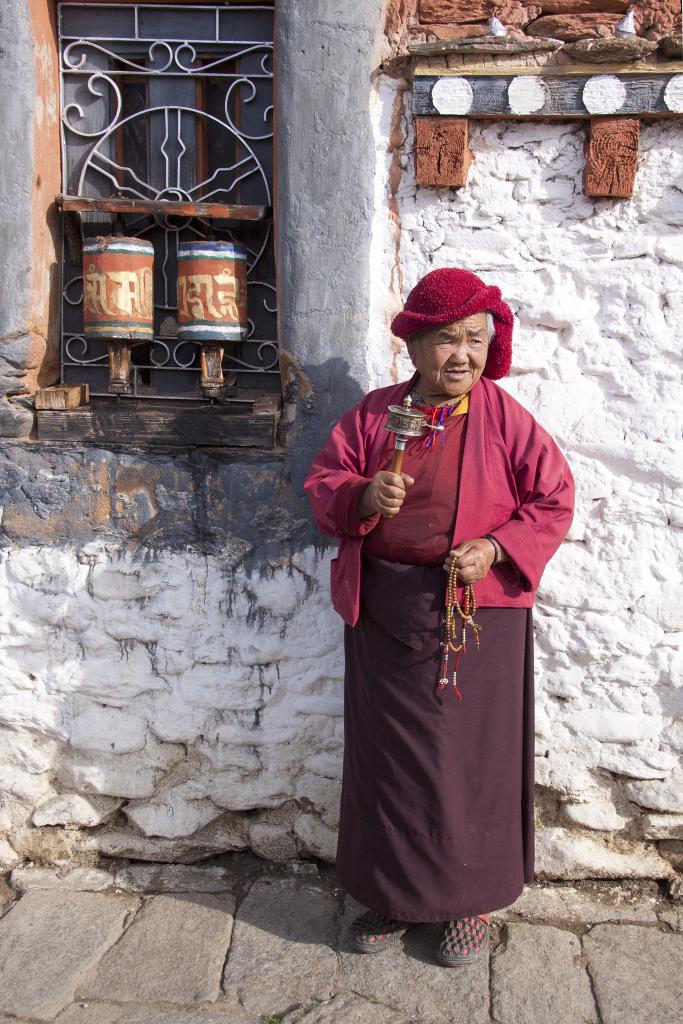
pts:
[397, 460]
[404, 422]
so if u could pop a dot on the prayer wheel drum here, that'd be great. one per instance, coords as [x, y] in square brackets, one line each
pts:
[118, 299]
[403, 421]
[212, 303]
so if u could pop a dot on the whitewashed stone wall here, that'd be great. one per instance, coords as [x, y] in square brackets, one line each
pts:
[597, 291]
[167, 707]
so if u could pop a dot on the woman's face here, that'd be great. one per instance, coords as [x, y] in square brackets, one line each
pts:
[451, 358]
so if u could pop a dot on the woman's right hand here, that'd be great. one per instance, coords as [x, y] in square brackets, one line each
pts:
[384, 494]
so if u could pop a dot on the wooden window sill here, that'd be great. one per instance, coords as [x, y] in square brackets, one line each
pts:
[165, 423]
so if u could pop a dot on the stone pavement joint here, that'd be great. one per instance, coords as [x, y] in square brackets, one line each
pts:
[243, 941]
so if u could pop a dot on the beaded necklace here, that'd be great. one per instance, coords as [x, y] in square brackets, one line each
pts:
[436, 415]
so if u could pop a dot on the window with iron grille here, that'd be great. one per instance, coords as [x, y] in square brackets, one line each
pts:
[166, 120]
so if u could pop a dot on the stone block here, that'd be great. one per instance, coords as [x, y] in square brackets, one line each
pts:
[612, 158]
[613, 50]
[172, 878]
[666, 796]
[272, 842]
[11, 384]
[23, 352]
[636, 972]
[538, 975]
[228, 834]
[172, 952]
[316, 837]
[510, 12]
[324, 794]
[128, 776]
[671, 46]
[565, 906]
[409, 979]
[73, 809]
[672, 850]
[663, 826]
[8, 856]
[282, 950]
[171, 816]
[76, 880]
[50, 942]
[108, 729]
[657, 18]
[574, 26]
[15, 420]
[585, 6]
[674, 918]
[596, 812]
[442, 154]
[561, 853]
[471, 30]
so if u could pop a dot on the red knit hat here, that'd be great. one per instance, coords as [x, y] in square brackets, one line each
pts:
[449, 294]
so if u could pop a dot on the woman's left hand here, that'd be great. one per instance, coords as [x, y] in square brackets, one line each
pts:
[473, 559]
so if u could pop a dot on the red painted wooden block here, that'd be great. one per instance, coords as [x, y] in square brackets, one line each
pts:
[442, 153]
[612, 157]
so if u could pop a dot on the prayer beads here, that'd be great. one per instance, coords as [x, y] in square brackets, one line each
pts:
[466, 612]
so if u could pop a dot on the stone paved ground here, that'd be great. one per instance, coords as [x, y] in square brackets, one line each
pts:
[240, 941]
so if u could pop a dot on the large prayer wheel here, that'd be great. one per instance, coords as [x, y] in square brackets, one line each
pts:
[212, 303]
[118, 297]
[118, 300]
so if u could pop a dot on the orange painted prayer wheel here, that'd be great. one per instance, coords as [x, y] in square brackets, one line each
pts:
[212, 292]
[118, 299]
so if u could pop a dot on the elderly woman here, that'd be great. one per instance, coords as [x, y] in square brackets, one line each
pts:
[437, 568]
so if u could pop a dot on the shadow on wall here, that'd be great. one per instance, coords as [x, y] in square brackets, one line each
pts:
[171, 666]
[169, 704]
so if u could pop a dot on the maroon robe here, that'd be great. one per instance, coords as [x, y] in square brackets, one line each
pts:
[437, 803]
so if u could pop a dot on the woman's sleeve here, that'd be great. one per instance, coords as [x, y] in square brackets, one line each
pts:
[336, 479]
[545, 486]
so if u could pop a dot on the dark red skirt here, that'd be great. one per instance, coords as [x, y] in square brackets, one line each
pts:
[437, 801]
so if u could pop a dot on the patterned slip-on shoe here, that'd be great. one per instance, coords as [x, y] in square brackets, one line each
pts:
[462, 941]
[372, 932]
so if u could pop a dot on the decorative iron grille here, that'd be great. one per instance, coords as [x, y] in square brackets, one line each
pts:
[169, 103]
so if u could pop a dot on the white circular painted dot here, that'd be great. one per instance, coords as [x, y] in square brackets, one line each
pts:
[452, 95]
[526, 94]
[604, 94]
[673, 94]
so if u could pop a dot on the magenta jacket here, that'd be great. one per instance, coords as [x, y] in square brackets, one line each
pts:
[515, 484]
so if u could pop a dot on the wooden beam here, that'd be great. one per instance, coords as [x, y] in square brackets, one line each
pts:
[549, 96]
[143, 424]
[442, 153]
[217, 211]
[612, 157]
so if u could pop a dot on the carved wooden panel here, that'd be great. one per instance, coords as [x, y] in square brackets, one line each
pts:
[612, 157]
[442, 153]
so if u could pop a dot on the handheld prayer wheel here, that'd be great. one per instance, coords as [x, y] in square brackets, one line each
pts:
[404, 422]
[212, 303]
[118, 300]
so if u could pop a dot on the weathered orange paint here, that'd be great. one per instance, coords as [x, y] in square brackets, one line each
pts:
[43, 324]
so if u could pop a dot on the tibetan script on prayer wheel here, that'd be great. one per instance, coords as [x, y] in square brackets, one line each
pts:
[212, 291]
[118, 289]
